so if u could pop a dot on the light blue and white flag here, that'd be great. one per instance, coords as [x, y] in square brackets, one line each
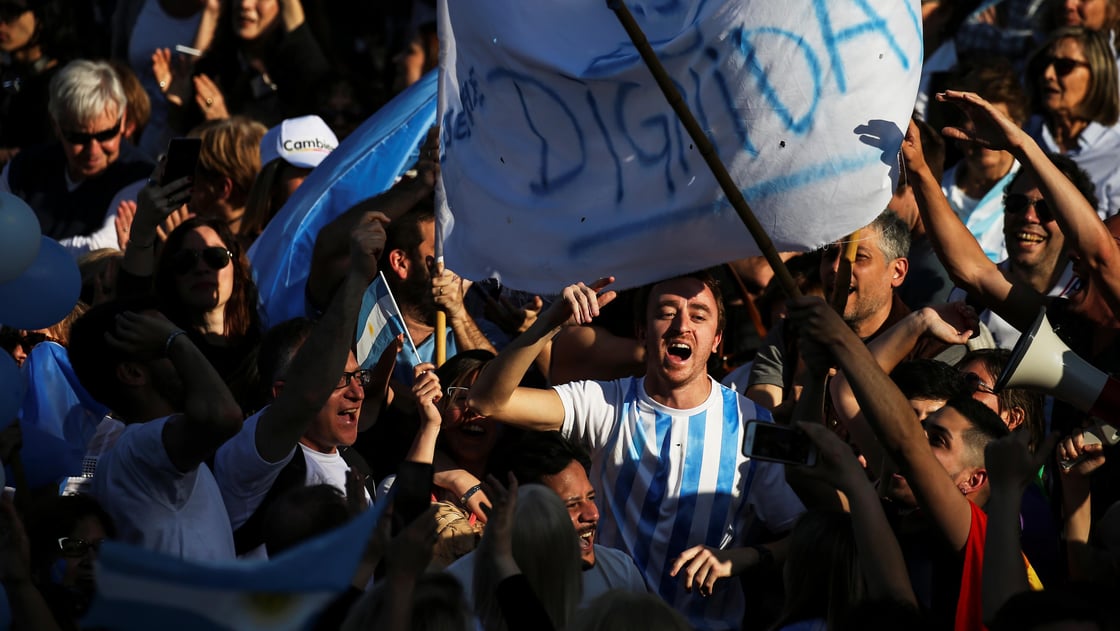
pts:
[142, 590]
[366, 163]
[379, 323]
[562, 160]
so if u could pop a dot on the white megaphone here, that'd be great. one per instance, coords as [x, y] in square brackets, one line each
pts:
[1043, 362]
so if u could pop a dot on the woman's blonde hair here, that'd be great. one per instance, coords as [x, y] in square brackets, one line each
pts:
[231, 148]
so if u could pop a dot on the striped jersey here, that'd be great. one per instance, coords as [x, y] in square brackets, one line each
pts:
[669, 479]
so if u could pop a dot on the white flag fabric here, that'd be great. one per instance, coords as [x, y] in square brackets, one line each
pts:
[562, 160]
[379, 323]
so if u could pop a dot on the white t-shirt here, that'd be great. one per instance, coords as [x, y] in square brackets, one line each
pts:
[245, 478]
[671, 479]
[158, 507]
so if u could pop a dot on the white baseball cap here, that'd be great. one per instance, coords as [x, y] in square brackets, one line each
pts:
[302, 142]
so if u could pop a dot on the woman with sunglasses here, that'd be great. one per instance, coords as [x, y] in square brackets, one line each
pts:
[201, 277]
[1074, 90]
[204, 285]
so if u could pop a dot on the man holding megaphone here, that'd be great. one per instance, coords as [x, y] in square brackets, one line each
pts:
[1086, 319]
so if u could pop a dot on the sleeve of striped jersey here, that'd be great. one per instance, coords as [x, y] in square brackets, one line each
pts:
[589, 411]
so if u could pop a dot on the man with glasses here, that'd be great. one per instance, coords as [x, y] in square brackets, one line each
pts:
[1036, 248]
[316, 392]
[71, 183]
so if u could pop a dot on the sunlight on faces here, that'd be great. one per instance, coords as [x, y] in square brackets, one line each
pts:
[336, 424]
[1032, 243]
[1091, 14]
[91, 158]
[1063, 94]
[573, 487]
[945, 430]
[467, 436]
[255, 18]
[924, 407]
[202, 287]
[986, 383]
[681, 330]
[871, 289]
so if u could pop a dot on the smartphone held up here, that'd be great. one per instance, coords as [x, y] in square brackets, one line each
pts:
[777, 443]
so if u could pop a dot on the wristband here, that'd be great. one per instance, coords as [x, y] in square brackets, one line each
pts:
[469, 494]
[171, 338]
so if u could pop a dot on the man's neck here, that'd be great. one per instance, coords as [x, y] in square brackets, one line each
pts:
[1041, 278]
[418, 329]
[870, 325]
[316, 447]
[683, 397]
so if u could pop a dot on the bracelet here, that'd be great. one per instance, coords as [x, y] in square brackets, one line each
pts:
[143, 246]
[469, 494]
[171, 338]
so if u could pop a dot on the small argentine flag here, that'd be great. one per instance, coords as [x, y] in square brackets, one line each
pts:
[140, 589]
[379, 323]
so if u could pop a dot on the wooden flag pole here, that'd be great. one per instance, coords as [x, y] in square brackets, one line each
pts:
[707, 150]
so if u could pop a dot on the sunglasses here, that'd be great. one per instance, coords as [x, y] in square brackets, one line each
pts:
[1016, 203]
[75, 548]
[362, 376]
[1063, 65]
[82, 138]
[215, 257]
[975, 383]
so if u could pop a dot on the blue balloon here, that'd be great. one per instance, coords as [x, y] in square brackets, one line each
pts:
[19, 236]
[11, 389]
[45, 292]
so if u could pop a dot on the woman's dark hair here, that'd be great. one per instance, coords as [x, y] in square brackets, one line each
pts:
[241, 309]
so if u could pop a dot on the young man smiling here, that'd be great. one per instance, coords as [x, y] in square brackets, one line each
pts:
[666, 447]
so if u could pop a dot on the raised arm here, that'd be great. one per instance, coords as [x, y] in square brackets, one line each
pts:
[316, 367]
[890, 417]
[880, 555]
[496, 393]
[951, 323]
[1084, 231]
[958, 250]
[1085, 562]
[210, 414]
[1011, 467]
[330, 257]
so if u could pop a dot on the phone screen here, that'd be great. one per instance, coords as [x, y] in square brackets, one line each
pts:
[182, 159]
[768, 441]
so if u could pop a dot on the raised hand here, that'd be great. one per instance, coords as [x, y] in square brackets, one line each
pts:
[448, 291]
[1010, 462]
[702, 566]
[1078, 457]
[209, 98]
[579, 303]
[952, 322]
[126, 211]
[367, 241]
[990, 128]
[427, 391]
[141, 335]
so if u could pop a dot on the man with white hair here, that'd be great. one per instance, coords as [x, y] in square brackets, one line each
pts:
[70, 183]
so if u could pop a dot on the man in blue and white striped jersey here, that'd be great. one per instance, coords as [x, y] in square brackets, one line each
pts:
[667, 447]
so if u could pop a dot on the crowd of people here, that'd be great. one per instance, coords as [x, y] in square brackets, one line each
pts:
[576, 462]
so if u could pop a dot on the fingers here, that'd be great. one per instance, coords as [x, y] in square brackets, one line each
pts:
[684, 558]
[583, 302]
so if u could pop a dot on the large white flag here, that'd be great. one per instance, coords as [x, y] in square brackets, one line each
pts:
[562, 160]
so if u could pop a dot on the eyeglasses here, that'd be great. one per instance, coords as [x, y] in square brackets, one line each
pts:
[215, 257]
[83, 138]
[361, 376]
[74, 548]
[457, 396]
[975, 383]
[1063, 65]
[1016, 203]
